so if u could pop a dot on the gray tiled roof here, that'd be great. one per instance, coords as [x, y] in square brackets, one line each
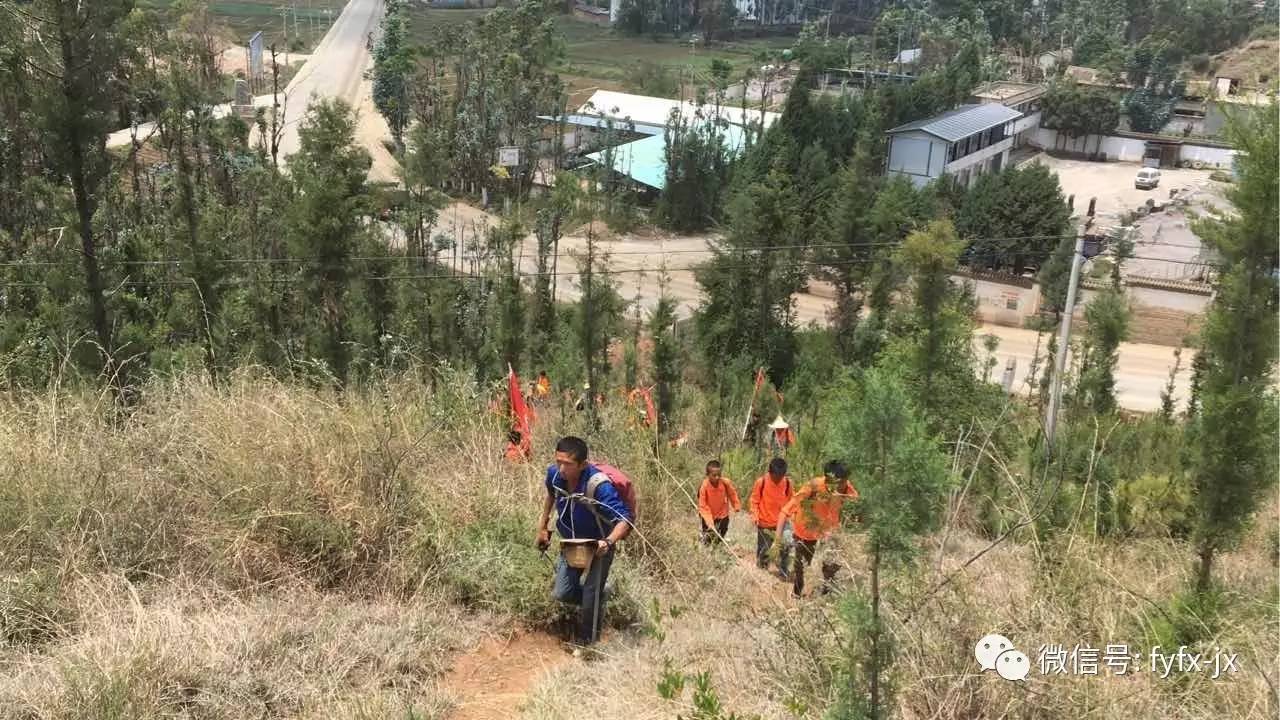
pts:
[962, 122]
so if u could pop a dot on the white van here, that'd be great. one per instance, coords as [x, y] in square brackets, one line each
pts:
[1147, 178]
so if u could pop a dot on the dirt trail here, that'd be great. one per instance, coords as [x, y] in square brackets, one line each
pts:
[492, 680]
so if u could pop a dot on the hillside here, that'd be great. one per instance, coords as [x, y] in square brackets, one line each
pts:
[267, 550]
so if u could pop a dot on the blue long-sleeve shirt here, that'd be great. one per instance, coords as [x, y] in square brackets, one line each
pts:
[574, 519]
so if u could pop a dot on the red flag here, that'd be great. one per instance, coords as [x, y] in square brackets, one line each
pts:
[519, 410]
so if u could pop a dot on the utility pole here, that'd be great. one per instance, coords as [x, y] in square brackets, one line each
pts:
[284, 22]
[1064, 338]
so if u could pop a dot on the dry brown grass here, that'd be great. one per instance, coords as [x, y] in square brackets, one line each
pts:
[185, 649]
[265, 550]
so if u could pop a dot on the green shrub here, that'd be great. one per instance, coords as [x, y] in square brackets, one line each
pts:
[34, 609]
[655, 79]
[492, 564]
[1154, 505]
[1189, 618]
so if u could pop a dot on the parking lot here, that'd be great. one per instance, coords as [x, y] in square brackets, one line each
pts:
[1112, 184]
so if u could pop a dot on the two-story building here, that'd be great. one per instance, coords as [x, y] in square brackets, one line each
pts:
[964, 142]
[1023, 97]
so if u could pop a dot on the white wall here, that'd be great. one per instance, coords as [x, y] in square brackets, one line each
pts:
[1182, 301]
[1216, 157]
[1029, 122]
[917, 156]
[1185, 301]
[1125, 149]
[910, 155]
[1115, 148]
[1002, 303]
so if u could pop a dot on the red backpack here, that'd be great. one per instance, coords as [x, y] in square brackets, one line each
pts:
[620, 482]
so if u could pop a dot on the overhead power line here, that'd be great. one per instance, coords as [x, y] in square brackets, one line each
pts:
[462, 275]
[564, 254]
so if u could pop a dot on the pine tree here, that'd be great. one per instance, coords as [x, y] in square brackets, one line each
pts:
[1013, 219]
[329, 169]
[1233, 436]
[875, 425]
[666, 356]
[751, 279]
[697, 168]
[392, 62]
[1107, 318]
[75, 48]
[548, 227]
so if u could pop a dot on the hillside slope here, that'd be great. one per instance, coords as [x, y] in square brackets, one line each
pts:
[268, 550]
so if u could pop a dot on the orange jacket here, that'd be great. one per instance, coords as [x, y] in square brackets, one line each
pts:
[815, 510]
[714, 500]
[768, 498]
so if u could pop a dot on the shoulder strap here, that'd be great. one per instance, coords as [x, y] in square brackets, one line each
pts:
[593, 484]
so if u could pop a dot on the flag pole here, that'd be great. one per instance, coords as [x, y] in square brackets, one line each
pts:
[752, 405]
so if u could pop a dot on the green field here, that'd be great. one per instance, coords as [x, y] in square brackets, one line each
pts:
[595, 57]
[307, 20]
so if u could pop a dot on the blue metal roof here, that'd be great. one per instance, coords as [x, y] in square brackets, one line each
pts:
[645, 160]
[962, 122]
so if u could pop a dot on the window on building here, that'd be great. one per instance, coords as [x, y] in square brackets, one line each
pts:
[1011, 303]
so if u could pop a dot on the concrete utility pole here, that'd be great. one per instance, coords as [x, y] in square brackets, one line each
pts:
[1064, 338]
[284, 22]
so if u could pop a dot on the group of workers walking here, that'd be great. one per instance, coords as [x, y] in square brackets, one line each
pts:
[783, 516]
[594, 507]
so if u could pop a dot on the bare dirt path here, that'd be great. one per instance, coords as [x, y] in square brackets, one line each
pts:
[493, 680]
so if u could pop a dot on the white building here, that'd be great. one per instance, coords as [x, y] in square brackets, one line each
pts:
[964, 142]
[644, 110]
[1023, 97]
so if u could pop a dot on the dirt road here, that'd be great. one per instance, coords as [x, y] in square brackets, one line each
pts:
[635, 260]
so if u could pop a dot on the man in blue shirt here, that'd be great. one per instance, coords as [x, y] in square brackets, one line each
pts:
[604, 518]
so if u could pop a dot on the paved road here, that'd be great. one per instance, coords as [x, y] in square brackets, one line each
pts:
[335, 70]
[336, 67]
[1143, 369]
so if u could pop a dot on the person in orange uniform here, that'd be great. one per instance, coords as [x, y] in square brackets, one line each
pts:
[542, 388]
[815, 513]
[715, 498]
[769, 495]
